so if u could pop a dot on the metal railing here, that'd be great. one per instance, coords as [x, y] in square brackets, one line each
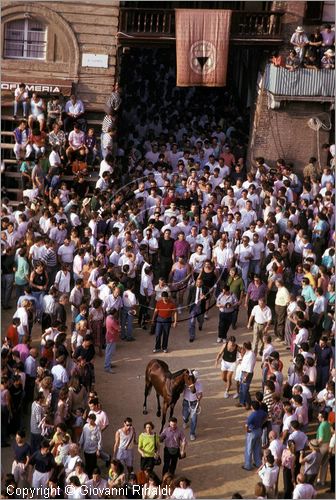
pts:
[151, 23]
[299, 83]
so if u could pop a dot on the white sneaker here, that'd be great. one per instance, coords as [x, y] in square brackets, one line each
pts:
[235, 396]
[226, 394]
[206, 316]
[219, 340]
[192, 437]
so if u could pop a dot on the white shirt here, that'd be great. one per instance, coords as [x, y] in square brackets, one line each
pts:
[223, 256]
[286, 421]
[78, 265]
[248, 362]
[60, 375]
[196, 261]
[152, 243]
[104, 167]
[300, 439]
[301, 336]
[261, 316]
[101, 418]
[23, 96]
[183, 494]
[243, 253]
[146, 283]
[129, 299]
[54, 159]
[62, 281]
[257, 250]
[269, 475]
[303, 491]
[276, 447]
[192, 396]
[226, 303]
[23, 315]
[319, 306]
[66, 253]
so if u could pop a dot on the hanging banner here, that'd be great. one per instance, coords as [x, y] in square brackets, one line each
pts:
[202, 46]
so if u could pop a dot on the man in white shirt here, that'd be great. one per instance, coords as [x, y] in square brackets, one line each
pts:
[197, 260]
[74, 110]
[113, 301]
[106, 165]
[206, 240]
[190, 405]
[261, 316]
[146, 294]
[247, 367]
[282, 299]
[258, 250]
[76, 142]
[66, 252]
[59, 373]
[303, 490]
[269, 475]
[222, 257]
[276, 446]
[244, 254]
[127, 313]
[21, 97]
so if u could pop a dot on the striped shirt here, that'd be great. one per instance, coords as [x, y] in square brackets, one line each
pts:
[107, 123]
[50, 258]
[37, 414]
[268, 400]
[114, 101]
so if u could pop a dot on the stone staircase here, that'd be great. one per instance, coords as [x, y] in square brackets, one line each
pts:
[10, 174]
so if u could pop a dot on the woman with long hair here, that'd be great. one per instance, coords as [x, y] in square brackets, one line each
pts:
[229, 353]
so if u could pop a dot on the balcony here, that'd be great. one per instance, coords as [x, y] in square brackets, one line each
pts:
[299, 85]
[158, 25]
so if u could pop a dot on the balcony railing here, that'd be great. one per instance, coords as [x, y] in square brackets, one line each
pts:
[160, 23]
[300, 84]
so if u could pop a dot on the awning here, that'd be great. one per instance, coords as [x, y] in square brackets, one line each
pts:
[42, 85]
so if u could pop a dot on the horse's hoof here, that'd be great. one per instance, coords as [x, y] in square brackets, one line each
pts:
[158, 414]
[145, 412]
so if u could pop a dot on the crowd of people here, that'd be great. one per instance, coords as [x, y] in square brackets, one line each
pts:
[316, 51]
[176, 227]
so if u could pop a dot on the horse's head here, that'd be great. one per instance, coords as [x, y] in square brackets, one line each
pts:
[190, 380]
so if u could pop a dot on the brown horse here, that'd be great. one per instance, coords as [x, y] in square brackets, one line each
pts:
[166, 384]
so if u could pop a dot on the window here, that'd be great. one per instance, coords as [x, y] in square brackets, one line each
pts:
[313, 12]
[25, 39]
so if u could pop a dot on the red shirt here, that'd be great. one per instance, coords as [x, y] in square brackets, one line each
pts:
[12, 335]
[165, 309]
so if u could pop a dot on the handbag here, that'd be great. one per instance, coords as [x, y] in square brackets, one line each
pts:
[157, 458]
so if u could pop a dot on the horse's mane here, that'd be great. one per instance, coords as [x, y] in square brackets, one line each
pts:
[176, 374]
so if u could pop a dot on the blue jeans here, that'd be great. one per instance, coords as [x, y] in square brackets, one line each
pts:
[126, 323]
[187, 412]
[39, 303]
[162, 330]
[253, 448]
[255, 266]
[109, 351]
[244, 391]
[24, 107]
[244, 269]
[195, 314]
